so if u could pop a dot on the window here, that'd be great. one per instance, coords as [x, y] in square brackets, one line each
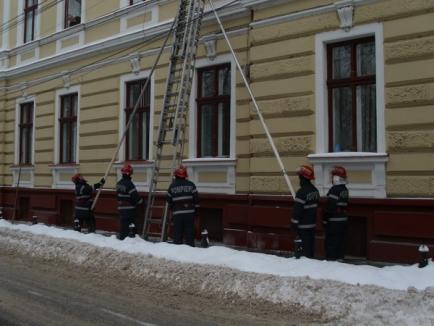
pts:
[30, 9]
[213, 105]
[132, 2]
[72, 12]
[137, 142]
[68, 128]
[351, 84]
[26, 133]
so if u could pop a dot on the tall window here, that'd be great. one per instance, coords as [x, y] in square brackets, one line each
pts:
[30, 9]
[352, 96]
[213, 105]
[68, 128]
[26, 133]
[137, 142]
[72, 12]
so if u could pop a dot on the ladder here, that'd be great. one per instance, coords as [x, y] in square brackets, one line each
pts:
[171, 132]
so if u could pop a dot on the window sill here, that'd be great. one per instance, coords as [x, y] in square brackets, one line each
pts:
[348, 157]
[205, 161]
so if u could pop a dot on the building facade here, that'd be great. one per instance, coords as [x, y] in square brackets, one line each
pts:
[338, 82]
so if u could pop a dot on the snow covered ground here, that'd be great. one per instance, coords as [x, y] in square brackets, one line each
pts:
[333, 292]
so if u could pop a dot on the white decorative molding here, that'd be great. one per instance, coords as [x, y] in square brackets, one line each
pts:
[200, 63]
[144, 167]
[370, 163]
[204, 165]
[122, 119]
[25, 174]
[135, 63]
[59, 93]
[210, 42]
[66, 79]
[23, 89]
[58, 170]
[345, 10]
[321, 94]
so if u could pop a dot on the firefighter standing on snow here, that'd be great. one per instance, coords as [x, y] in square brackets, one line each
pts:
[128, 200]
[83, 202]
[183, 200]
[304, 213]
[335, 216]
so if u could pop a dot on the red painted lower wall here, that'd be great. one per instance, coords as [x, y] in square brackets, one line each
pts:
[388, 230]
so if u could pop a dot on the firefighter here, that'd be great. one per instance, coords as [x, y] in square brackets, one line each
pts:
[183, 200]
[83, 202]
[335, 216]
[128, 200]
[305, 208]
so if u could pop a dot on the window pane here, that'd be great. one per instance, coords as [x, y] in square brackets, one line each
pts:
[206, 132]
[365, 59]
[224, 129]
[208, 83]
[133, 139]
[23, 146]
[29, 27]
[341, 61]
[73, 14]
[65, 146]
[73, 142]
[145, 123]
[224, 81]
[66, 107]
[366, 102]
[342, 119]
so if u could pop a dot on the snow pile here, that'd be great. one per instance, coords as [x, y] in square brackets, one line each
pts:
[219, 271]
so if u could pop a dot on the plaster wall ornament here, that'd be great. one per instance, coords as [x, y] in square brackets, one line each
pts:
[210, 42]
[135, 64]
[23, 89]
[66, 79]
[345, 10]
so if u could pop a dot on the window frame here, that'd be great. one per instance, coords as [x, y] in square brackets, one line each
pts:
[65, 14]
[321, 91]
[213, 100]
[128, 109]
[69, 122]
[352, 82]
[29, 126]
[33, 11]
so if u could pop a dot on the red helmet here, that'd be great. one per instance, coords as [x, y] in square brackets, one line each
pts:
[127, 169]
[339, 171]
[306, 171]
[77, 178]
[181, 172]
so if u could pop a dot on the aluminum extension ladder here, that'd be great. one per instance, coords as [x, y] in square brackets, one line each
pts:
[171, 132]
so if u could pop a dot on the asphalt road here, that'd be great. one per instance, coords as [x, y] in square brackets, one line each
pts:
[36, 292]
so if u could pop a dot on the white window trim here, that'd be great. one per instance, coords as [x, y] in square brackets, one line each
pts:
[59, 93]
[122, 120]
[26, 169]
[197, 165]
[61, 15]
[201, 63]
[321, 94]
[20, 27]
[323, 161]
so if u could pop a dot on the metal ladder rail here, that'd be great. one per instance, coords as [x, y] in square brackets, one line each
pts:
[184, 28]
[183, 102]
[172, 89]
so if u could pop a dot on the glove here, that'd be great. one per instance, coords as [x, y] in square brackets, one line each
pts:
[102, 181]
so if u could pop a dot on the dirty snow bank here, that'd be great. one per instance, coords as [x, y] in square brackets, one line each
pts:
[328, 301]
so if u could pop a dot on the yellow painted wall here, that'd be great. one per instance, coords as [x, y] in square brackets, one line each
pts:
[97, 8]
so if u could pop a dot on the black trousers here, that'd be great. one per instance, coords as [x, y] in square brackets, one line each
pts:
[124, 225]
[335, 240]
[86, 218]
[307, 237]
[183, 226]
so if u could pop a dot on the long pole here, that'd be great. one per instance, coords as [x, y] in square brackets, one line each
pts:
[130, 120]
[270, 139]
